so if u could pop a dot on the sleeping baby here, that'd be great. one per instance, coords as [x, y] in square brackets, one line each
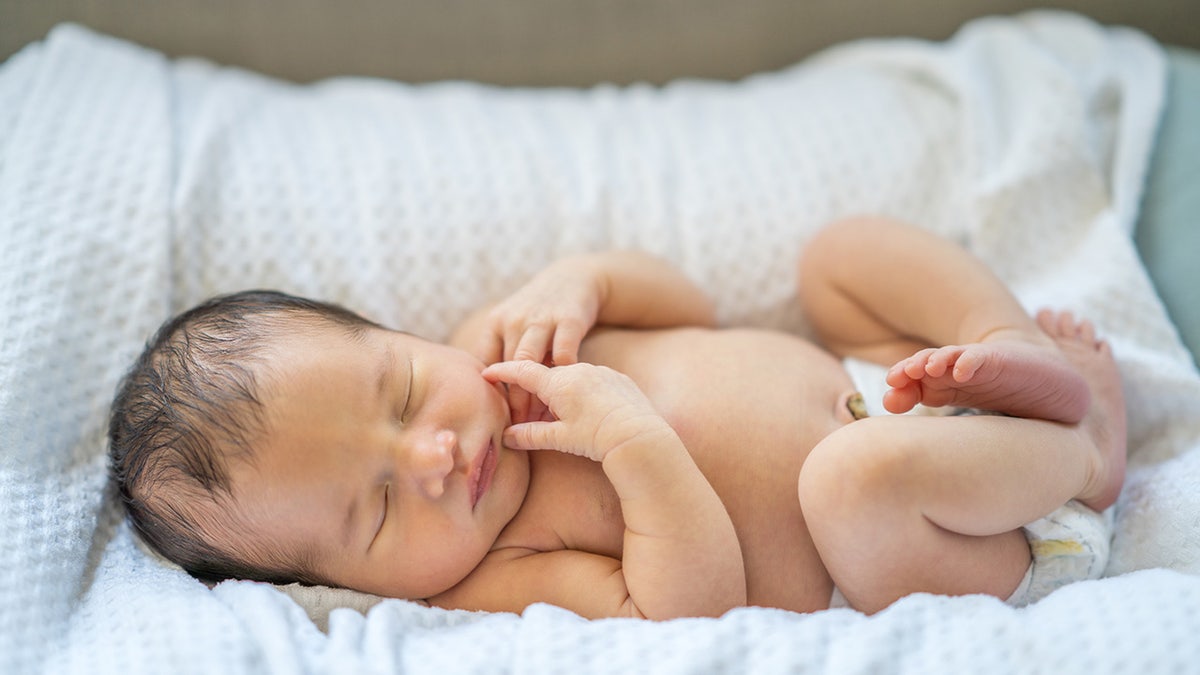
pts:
[595, 442]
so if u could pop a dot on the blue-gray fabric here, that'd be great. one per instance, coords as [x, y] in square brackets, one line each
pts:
[1168, 230]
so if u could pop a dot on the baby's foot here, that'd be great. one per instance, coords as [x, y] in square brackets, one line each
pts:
[1105, 420]
[1015, 376]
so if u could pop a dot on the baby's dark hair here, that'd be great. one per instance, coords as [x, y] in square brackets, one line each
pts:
[189, 404]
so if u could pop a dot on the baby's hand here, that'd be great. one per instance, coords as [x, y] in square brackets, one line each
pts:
[543, 321]
[547, 318]
[594, 409]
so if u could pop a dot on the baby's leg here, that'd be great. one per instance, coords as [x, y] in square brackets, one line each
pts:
[881, 290]
[898, 505]
[1012, 376]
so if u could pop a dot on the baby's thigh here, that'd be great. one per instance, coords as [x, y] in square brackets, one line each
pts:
[868, 492]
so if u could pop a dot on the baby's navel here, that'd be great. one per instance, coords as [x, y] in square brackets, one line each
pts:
[851, 407]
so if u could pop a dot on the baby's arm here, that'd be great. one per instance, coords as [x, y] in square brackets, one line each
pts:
[550, 315]
[681, 555]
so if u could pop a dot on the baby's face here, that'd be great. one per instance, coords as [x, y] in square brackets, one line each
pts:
[383, 458]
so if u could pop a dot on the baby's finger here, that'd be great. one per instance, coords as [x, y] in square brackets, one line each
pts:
[531, 436]
[567, 339]
[489, 348]
[538, 411]
[532, 345]
[512, 338]
[518, 403]
[528, 375]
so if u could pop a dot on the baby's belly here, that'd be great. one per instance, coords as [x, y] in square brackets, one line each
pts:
[749, 406]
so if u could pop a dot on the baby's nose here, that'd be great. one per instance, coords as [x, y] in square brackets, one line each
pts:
[433, 461]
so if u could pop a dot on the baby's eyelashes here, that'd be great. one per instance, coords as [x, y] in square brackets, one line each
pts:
[406, 409]
[382, 514]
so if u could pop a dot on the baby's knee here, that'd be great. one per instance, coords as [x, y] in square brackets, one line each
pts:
[856, 472]
[823, 257]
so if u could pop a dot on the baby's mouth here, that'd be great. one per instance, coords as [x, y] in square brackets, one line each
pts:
[481, 475]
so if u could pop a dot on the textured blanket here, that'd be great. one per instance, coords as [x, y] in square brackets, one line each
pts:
[132, 186]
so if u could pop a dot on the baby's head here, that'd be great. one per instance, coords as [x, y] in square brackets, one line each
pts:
[264, 436]
[189, 406]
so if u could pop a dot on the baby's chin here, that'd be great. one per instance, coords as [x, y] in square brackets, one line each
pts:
[446, 579]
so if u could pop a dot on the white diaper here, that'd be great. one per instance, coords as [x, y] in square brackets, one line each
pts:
[1070, 544]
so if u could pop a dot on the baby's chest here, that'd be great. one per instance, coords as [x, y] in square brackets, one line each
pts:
[735, 397]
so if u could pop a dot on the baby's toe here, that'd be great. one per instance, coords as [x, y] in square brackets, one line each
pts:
[1047, 319]
[914, 366]
[899, 400]
[941, 360]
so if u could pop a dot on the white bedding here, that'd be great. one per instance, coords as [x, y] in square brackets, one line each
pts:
[132, 186]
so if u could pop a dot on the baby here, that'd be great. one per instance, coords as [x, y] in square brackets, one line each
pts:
[594, 442]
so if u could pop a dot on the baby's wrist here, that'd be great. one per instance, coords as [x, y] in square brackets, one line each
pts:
[638, 435]
[647, 458]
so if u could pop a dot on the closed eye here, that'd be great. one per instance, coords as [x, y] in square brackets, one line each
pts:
[383, 514]
[408, 394]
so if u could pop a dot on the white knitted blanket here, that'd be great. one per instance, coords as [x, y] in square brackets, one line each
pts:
[132, 186]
